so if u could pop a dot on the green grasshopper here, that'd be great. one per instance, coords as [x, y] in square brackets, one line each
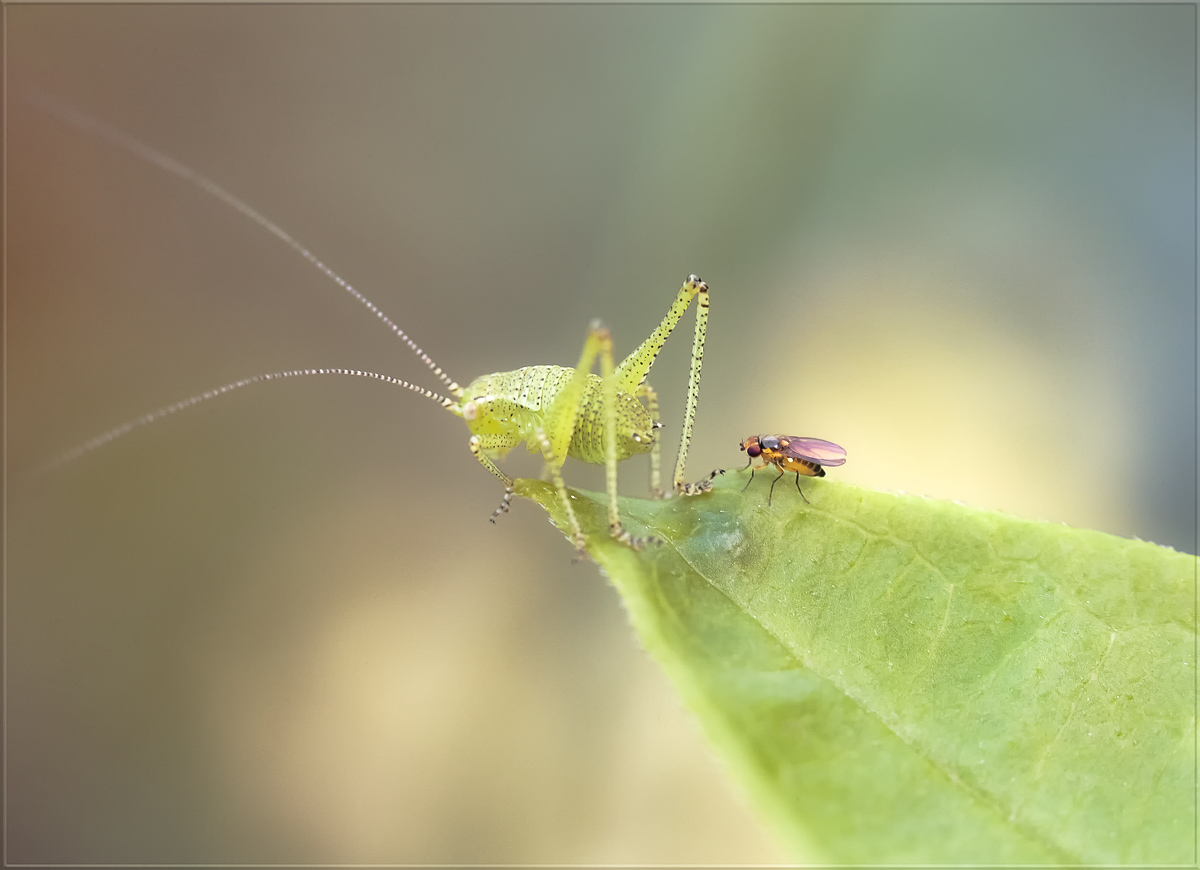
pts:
[565, 412]
[555, 410]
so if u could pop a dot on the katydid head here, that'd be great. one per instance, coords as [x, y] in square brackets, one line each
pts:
[558, 411]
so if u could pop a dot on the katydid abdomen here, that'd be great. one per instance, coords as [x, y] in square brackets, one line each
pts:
[558, 411]
[515, 403]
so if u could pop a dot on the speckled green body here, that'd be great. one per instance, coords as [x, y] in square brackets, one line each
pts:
[516, 402]
[560, 412]
[557, 411]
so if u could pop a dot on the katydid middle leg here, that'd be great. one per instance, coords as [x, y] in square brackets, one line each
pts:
[647, 392]
[565, 414]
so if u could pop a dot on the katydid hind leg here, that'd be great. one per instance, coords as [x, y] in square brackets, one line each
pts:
[634, 369]
[562, 416]
[608, 378]
[609, 392]
[693, 395]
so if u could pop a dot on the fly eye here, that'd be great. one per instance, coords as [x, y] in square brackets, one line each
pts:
[754, 450]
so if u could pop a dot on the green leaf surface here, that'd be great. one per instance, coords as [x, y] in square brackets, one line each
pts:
[896, 679]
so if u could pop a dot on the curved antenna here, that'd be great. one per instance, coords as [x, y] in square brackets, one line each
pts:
[127, 427]
[100, 129]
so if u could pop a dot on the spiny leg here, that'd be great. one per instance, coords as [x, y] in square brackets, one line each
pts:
[477, 445]
[771, 491]
[563, 415]
[560, 487]
[656, 449]
[503, 506]
[689, 416]
[608, 380]
[608, 389]
[634, 368]
[644, 389]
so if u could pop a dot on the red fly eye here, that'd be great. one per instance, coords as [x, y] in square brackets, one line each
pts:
[754, 450]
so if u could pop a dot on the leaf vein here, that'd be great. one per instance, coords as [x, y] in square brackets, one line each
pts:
[981, 797]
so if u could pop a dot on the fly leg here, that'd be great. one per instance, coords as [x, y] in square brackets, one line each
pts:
[771, 491]
[752, 470]
[799, 490]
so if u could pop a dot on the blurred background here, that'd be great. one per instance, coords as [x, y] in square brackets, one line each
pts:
[959, 241]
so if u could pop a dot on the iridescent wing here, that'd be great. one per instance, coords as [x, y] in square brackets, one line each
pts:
[812, 450]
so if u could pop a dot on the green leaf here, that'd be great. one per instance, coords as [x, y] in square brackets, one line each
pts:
[896, 679]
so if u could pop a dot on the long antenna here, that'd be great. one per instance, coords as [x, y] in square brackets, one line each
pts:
[82, 121]
[125, 428]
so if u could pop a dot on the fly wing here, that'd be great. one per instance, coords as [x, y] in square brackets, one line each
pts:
[815, 450]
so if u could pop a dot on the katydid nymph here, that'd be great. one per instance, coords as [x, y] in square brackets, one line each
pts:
[557, 411]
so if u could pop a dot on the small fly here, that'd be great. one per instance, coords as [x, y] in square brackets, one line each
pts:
[791, 453]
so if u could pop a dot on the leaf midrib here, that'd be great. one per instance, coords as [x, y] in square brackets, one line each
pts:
[982, 798]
